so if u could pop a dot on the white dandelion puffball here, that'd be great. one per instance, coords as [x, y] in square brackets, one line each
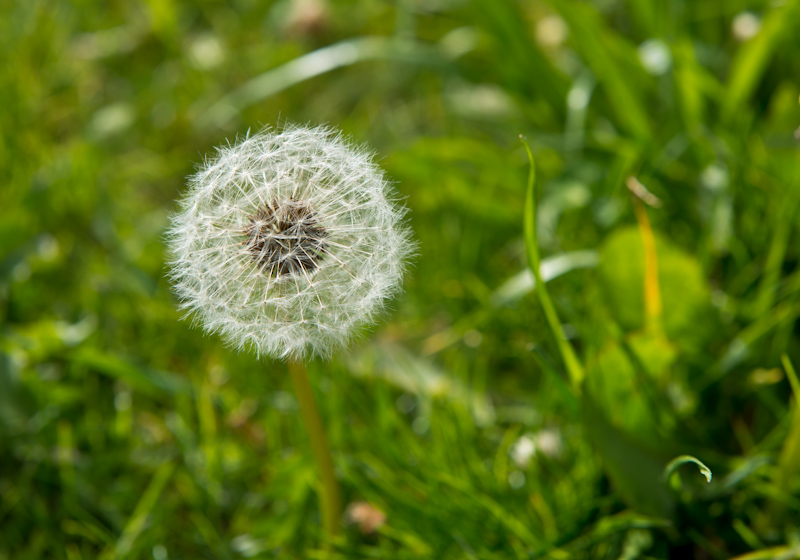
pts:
[287, 242]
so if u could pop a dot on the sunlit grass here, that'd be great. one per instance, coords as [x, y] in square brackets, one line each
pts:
[459, 429]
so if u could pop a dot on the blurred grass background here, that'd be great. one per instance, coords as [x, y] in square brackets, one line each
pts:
[124, 433]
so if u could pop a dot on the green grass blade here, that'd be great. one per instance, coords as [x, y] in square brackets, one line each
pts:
[683, 459]
[753, 58]
[789, 461]
[596, 44]
[571, 362]
[138, 520]
[316, 63]
[782, 232]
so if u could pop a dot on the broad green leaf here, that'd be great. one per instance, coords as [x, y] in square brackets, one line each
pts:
[684, 293]
[616, 389]
[625, 380]
[635, 471]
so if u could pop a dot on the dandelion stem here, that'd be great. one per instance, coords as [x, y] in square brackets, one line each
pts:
[330, 497]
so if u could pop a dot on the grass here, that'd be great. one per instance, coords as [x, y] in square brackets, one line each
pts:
[125, 433]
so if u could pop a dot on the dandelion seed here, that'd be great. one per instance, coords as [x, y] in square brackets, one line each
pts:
[288, 242]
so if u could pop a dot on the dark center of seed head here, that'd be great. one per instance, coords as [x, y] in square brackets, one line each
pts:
[284, 237]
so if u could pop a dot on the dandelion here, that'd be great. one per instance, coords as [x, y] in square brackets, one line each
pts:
[287, 243]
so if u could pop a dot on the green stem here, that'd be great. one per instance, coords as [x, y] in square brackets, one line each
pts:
[330, 498]
[571, 361]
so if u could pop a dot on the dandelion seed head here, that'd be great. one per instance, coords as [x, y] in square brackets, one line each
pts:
[288, 242]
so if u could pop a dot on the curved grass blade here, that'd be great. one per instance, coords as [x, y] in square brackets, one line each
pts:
[316, 63]
[682, 459]
[571, 362]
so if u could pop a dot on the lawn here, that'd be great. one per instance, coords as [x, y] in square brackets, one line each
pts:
[496, 409]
